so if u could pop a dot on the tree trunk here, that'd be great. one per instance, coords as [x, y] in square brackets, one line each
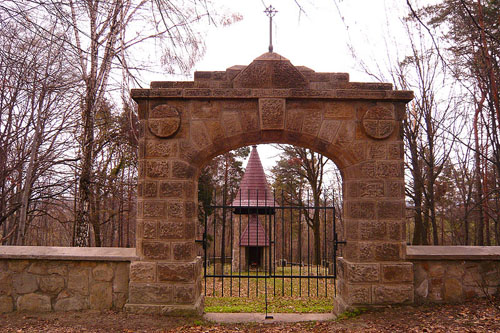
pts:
[479, 226]
[317, 243]
[28, 183]
[82, 228]
[425, 224]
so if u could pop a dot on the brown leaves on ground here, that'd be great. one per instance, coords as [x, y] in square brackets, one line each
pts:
[475, 316]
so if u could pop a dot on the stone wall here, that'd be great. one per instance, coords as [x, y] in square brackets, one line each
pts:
[453, 274]
[63, 279]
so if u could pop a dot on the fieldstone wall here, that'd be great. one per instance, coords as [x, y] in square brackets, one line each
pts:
[453, 281]
[45, 285]
[449, 274]
[41, 279]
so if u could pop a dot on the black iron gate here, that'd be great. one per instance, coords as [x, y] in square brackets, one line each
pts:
[287, 247]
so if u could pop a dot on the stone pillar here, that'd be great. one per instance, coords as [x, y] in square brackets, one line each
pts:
[374, 271]
[167, 279]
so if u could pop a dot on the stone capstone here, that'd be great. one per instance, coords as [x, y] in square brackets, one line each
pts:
[270, 70]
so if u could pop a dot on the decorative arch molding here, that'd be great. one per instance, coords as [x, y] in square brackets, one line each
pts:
[183, 125]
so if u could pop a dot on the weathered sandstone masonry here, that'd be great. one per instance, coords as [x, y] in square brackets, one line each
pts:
[183, 125]
[452, 274]
[44, 279]
[65, 279]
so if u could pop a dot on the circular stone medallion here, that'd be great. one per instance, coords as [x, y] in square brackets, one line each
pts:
[379, 122]
[164, 121]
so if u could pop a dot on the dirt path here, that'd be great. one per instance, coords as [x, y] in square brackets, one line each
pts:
[476, 316]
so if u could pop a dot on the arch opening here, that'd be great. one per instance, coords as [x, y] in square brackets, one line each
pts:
[281, 253]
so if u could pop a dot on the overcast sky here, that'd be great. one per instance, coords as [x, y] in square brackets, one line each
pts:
[318, 38]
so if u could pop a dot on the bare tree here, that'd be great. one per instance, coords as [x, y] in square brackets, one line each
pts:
[36, 110]
[103, 37]
[306, 167]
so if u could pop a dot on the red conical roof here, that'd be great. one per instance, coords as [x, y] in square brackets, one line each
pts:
[254, 234]
[254, 190]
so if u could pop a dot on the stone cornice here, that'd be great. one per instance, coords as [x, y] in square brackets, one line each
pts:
[225, 93]
[453, 252]
[68, 253]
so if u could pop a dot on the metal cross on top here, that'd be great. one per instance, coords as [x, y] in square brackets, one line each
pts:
[270, 12]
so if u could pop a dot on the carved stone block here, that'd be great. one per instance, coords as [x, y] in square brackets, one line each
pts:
[339, 110]
[272, 113]
[182, 170]
[390, 209]
[149, 229]
[172, 230]
[379, 122]
[387, 251]
[154, 209]
[161, 149]
[392, 273]
[175, 210]
[184, 251]
[184, 294]
[150, 293]
[176, 272]
[156, 250]
[372, 230]
[171, 189]
[361, 210]
[329, 129]
[157, 169]
[397, 294]
[294, 119]
[358, 294]
[164, 120]
[363, 273]
[142, 271]
[232, 123]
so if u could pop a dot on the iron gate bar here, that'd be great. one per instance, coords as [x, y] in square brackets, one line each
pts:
[231, 267]
[266, 252]
[257, 280]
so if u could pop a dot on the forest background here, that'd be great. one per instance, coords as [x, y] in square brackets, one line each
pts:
[68, 129]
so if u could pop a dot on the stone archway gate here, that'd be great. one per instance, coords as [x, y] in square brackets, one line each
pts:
[185, 124]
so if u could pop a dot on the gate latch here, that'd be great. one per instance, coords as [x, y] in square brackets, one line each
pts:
[336, 242]
[203, 241]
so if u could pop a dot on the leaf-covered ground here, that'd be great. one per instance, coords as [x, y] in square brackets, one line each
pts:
[476, 316]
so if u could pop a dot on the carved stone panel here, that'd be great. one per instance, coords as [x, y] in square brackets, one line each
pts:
[164, 121]
[379, 122]
[272, 113]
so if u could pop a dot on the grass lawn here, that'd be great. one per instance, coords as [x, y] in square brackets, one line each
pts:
[284, 295]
